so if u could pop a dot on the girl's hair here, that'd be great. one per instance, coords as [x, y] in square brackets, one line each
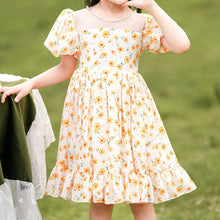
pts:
[94, 2]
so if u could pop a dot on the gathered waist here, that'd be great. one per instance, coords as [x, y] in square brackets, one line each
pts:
[107, 76]
[105, 66]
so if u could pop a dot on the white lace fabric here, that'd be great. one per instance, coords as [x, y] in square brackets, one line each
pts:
[17, 201]
[18, 198]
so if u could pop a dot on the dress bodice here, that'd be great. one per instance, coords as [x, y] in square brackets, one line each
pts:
[98, 43]
[110, 48]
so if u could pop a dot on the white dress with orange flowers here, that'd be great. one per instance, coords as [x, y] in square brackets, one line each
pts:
[113, 147]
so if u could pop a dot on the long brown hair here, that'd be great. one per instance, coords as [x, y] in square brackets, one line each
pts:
[94, 2]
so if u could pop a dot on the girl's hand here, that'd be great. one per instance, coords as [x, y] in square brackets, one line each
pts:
[21, 90]
[142, 4]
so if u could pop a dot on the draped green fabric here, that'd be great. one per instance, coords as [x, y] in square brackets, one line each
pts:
[15, 121]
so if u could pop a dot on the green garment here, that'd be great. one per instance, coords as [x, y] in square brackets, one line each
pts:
[15, 121]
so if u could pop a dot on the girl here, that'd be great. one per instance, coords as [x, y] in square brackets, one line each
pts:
[113, 146]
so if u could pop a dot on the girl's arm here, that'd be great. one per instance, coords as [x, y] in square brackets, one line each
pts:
[54, 75]
[175, 39]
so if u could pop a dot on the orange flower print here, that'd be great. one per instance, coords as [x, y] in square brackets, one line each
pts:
[71, 157]
[163, 146]
[78, 187]
[55, 175]
[70, 22]
[148, 32]
[139, 104]
[106, 34]
[88, 58]
[87, 170]
[98, 99]
[62, 162]
[51, 44]
[71, 29]
[102, 140]
[172, 183]
[154, 40]
[100, 114]
[119, 66]
[109, 120]
[102, 171]
[97, 127]
[95, 185]
[66, 123]
[101, 151]
[113, 52]
[137, 143]
[120, 49]
[162, 192]
[152, 126]
[104, 55]
[135, 194]
[125, 39]
[181, 180]
[134, 36]
[101, 45]
[84, 44]
[94, 36]
[63, 37]
[127, 59]
[64, 49]
[106, 72]
[55, 52]
[148, 154]
[157, 161]
[179, 189]
[86, 70]
[161, 130]
[95, 161]
[174, 195]
[111, 63]
[159, 199]
[85, 144]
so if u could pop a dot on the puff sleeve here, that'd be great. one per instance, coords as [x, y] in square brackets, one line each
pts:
[62, 38]
[151, 36]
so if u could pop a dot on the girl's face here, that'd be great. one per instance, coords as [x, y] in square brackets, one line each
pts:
[117, 2]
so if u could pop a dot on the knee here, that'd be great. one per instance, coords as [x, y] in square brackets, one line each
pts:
[141, 208]
[101, 206]
[136, 207]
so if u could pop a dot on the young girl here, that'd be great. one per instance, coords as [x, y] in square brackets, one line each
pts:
[113, 146]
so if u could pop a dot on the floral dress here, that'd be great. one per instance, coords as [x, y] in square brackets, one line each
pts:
[113, 146]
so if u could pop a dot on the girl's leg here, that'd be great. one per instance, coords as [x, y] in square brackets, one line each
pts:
[143, 211]
[100, 211]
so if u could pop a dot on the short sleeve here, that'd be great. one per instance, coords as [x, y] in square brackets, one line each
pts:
[63, 38]
[151, 36]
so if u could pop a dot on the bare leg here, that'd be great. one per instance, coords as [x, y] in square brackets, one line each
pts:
[100, 211]
[143, 211]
